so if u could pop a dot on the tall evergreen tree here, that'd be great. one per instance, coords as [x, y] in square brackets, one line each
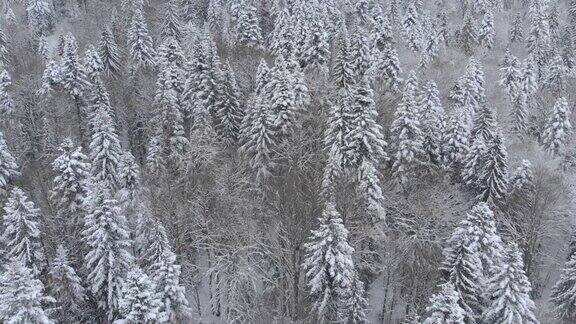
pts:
[22, 298]
[411, 27]
[8, 166]
[444, 307]
[248, 31]
[468, 36]
[515, 31]
[493, 178]
[139, 302]
[171, 26]
[433, 123]
[40, 16]
[230, 112]
[140, 43]
[329, 266]
[109, 52]
[487, 32]
[6, 102]
[108, 259]
[556, 131]
[564, 292]
[21, 235]
[538, 40]
[67, 288]
[455, 142]
[166, 275]
[105, 150]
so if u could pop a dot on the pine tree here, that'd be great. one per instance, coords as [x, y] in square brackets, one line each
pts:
[564, 292]
[21, 235]
[22, 298]
[433, 123]
[487, 32]
[108, 259]
[509, 291]
[70, 186]
[329, 266]
[407, 137]
[67, 287]
[444, 307]
[555, 134]
[166, 275]
[516, 32]
[260, 141]
[40, 16]
[555, 77]
[493, 178]
[109, 52]
[6, 102]
[468, 36]
[139, 302]
[411, 27]
[230, 112]
[105, 150]
[171, 26]
[389, 68]
[8, 166]
[247, 26]
[140, 43]
[455, 142]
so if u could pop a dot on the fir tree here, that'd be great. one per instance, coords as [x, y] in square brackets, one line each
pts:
[564, 292]
[230, 112]
[93, 65]
[40, 16]
[555, 134]
[521, 192]
[128, 175]
[22, 298]
[171, 26]
[511, 75]
[516, 32]
[484, 124]
[411, 26]
[6, 102]
[389, 68]
[433, 123]
[407, 136]
[468, 36]
[487, 32]
[51, 78]
[493, 178]
[4, 53]
[281, 39]
[474, 161]
[73, 74]
[361, 55]
[246, 22]
[343, 70]
[8, 166]
[105, 150]
[140, 44]
[381, 34]
[108, 258]
[166, 275]
[21, 235]
[139, 302]
[329, 266]
[529, 77]
[260, 141]
[67, 287]
[538, 40]
[109, 52]
[444, 307]
[316, 52]
[283, 98]
[358, 302]
[555, 78]
[70, 186]
[455, 142]
[509, 290]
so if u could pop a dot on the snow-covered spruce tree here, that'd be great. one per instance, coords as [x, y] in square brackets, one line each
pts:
[70, 186]
[431, 45]
[389, 68]
[343, 74]
[444, 307]
[51, 77]
[166, 276]
[358, 302]
[93, 65]
[555, 77]
[521, 191]
[493, 178]
[538, 40]
[128, 175]
[108, 259]
[556, 131]
[529, 77]
[260, 141]
[329, 267]
[139, 302]
[516, 30]
[171, 26]
[381, 32]
[8, 166]
[262, 79]
[281, 39]
[564, 292]
[66, 287]
[455, 144]
[230, 112]
[509, 292]
[361, 54]
[462, 268]
[169, 131]
[283, 98]
[474, 161]
[72, 72]
[484, 124]
[22, 298]
[316, 51]
[109, 52]
[411, 27]
[433, 123]
[40, 16]
[6, 102]
[105, 150]
[140, 44]
[487, 32]
[468, 36]
[4, 53]
[247, 27]
[21, 235]
[407, 138]
[511, 75]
